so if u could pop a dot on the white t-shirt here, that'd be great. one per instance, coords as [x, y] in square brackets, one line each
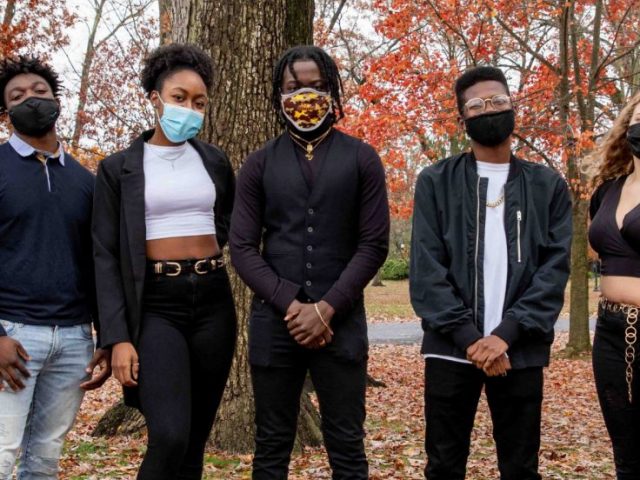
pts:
[179, 194]
[496, 261]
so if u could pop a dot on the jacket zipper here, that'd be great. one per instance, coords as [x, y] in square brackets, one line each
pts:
[475, 303]
[519, 218]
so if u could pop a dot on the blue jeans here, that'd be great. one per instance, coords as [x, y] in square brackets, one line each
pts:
[36, 419]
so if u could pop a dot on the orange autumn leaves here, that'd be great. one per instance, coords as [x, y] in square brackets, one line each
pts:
[406, 106]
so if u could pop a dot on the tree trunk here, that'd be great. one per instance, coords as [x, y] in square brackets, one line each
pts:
[579, 311]
[165, 21]
[579, 340]
[89, 55]
[377, 280]
[245, 39]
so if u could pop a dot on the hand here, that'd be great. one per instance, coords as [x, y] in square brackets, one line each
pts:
[307, 325]
[124, 362]
[499, 367]
[483, 352]
[12, 356]
[322, 341]
[101, 359]
[293, 310]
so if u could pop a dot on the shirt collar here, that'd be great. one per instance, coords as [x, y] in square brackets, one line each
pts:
[25, 150]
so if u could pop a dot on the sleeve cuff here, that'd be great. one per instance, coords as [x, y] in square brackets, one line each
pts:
[338, 301]
[465, 335]
[508, 330]
[3, 332]
[287, 292]
[110, 338]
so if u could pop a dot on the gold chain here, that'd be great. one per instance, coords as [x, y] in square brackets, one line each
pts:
[630, 337]
[310, 146]
[498, 202]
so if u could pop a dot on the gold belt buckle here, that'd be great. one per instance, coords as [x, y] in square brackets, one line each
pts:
[178, 269]
[197, 265]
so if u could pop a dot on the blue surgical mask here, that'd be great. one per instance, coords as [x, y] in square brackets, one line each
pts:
[180, 124]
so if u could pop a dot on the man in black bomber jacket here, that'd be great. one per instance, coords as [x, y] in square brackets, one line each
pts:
[489, 265]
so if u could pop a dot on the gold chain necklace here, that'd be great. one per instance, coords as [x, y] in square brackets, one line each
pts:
[498, 202]
[310, 146]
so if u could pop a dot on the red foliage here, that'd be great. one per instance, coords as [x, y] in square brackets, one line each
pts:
[405, 105]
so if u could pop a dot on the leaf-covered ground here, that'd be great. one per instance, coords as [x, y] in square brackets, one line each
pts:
[574, 441]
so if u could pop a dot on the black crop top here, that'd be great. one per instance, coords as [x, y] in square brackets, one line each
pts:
[619, 249]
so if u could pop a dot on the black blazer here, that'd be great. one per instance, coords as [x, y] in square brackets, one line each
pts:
[119, 232]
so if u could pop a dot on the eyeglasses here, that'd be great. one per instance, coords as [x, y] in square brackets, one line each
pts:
[479, 105]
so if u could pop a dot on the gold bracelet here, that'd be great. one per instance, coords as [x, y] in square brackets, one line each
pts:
[322, 318]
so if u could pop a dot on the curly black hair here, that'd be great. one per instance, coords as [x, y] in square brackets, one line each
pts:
[11, 67]
[476, 75]
[328, 71]
[168, 59]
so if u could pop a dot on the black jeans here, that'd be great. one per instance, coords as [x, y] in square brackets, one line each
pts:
[621, 417]
[186, 346]
[340, 386]
[452, 392]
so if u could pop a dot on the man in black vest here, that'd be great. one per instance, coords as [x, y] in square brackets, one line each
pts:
[316, 200]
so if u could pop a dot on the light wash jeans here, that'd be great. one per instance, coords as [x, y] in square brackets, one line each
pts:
[36, 420]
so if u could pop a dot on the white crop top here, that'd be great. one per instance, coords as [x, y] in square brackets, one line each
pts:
[178, 193]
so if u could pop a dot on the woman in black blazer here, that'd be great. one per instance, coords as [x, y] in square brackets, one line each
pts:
[160, 221]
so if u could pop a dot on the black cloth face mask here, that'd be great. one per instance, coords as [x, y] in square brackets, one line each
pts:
[491, 129]
[633, 139]
[35, 116]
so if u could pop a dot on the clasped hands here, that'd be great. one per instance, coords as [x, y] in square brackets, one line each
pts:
[306, 324]
[490, 355]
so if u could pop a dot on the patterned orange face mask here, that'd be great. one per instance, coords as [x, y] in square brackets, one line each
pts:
[306, 108]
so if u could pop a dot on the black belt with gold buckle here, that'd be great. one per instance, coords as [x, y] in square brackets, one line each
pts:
[173, 268]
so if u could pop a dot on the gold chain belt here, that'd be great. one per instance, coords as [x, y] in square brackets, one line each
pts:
[630, 336]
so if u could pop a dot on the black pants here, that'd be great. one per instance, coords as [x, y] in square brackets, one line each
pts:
[186, 346]
[621, 417]
[452, 392]
[340, 386]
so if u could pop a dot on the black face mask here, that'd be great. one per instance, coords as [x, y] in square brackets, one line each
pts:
[633, 139]
[491, 129]
[35, 116]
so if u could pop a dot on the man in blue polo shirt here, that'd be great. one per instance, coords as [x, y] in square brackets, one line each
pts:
[47, 289]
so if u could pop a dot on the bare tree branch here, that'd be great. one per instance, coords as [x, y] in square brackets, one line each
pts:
[336, 16]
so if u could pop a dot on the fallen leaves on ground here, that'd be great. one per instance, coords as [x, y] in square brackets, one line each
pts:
[574, 441]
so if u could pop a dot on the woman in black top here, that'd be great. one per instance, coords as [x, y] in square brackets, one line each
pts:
[615, 234]
[161, 217]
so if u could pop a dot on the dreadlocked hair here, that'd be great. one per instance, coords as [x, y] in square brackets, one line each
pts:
[328, 71]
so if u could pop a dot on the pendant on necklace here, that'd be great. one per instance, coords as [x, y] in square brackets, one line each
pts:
[309, 153]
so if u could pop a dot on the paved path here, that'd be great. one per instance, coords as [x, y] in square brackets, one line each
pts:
[406, 333]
